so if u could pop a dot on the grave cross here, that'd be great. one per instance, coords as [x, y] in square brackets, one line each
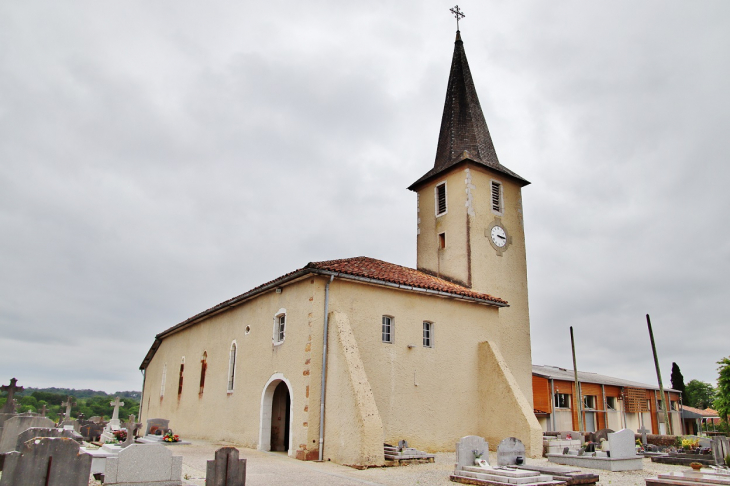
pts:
[11, 389]
[643, 431]
[132, 426]
[43, 410]
[116, 404]
[68, 404]
[458, 14]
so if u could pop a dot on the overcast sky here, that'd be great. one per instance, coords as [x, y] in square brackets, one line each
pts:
[157, 158]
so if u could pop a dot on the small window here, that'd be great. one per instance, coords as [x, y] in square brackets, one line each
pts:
[562, 400]
[442, 241]
[203, 369]
[611, 403]
[441, 199]
[496, 197]
[279, 327]
[427, 334]
[387, 329]
[232, 367]
[180, 380]
[673, 406]
[162, 382]
[589, 402]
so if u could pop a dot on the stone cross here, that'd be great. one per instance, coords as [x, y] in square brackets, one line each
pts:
[43, 410]
[643, 431]
[68, 404]
[116, 404]
[11, 389]
[132, 426]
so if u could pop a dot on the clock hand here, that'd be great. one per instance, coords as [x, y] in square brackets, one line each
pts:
[500, 236]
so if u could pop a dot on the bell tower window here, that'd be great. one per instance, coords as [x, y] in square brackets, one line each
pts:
[441, 199]
[497, 197]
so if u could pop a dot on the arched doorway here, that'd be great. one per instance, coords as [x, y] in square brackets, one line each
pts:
[280, 411]
[275, 430]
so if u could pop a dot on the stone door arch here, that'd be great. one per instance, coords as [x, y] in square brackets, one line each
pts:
[276, 391]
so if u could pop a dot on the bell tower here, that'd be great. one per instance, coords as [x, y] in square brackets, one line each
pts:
[470, 225]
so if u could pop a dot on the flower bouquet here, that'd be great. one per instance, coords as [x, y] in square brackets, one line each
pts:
[170, 437]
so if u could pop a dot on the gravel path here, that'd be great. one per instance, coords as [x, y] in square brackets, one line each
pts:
[274, 469]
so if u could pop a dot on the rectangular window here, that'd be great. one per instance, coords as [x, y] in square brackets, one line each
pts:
[442, 241]
[589, 402]
[611, 403]
[387, 329]
[232, 366]
[280, 327]
[427, 334]
[441, 199]
[496, 197]
[562, 400]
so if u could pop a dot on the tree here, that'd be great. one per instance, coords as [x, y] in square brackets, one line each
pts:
[699, 394]
[677, 379]
[722, 399]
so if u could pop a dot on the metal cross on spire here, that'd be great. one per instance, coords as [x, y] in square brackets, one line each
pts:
[458, 14]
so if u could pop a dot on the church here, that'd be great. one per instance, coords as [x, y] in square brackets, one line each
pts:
[334, 359]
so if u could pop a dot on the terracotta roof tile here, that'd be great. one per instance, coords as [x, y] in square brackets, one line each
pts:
[388, 272]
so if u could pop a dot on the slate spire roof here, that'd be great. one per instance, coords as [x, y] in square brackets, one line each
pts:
[464, 135]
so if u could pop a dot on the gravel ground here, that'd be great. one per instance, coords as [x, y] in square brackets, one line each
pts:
[273, 469]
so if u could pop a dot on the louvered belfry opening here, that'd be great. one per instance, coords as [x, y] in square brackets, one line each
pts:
[496, 199]
[441, 197]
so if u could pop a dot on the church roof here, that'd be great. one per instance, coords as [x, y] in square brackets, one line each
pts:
[361, 269]
[464, 136]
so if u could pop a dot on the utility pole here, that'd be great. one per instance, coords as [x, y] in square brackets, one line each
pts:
[659, 377]
[577, 384]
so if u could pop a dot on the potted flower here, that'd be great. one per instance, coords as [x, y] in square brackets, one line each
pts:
[695, 465]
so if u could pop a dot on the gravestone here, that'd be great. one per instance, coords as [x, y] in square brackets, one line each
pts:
[74, 425]
[132, 426]
[643, 431]
[34, 432]
[47, 461]
[15, 426]
[155, 424]
[9, 406]
[720, 449]
[465, 448]
[143, 463]
[91, 431]
[602, 434]
[226, 469]
[622, 444]
[96, 419]
[510, 451]
[573, 435]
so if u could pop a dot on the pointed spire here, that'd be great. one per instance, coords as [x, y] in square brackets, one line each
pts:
[464, 134]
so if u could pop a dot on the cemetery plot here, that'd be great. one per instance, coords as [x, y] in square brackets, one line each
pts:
[402, 454]
[472, 466]
[48, 461]
[620, 457]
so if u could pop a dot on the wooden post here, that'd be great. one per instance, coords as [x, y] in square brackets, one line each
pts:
[577, 384]
[659, 377]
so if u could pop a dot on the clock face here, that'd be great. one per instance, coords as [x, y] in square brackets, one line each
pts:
[499, 236]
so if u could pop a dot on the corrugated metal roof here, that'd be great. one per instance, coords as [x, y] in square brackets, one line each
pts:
[565, 374]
